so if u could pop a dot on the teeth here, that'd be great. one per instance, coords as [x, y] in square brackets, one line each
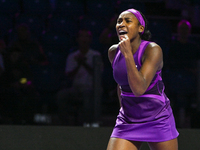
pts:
[122, 32]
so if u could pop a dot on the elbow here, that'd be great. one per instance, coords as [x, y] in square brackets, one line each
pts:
[139, 93]
[139, 89]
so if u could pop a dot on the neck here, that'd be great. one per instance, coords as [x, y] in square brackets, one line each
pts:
[135, 45]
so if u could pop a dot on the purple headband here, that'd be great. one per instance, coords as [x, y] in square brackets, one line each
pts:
[138, 16]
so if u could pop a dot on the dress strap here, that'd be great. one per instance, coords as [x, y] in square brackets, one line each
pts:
[145, 43]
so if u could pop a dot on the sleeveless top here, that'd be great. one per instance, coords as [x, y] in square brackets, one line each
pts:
[154, 98]
[120, 71]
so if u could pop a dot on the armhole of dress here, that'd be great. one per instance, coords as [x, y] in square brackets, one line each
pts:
[146, 43]
[116, 54]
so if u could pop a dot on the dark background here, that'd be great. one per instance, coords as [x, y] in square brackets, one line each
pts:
[54, 23]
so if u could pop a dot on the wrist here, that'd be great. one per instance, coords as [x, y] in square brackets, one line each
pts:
[128, 56]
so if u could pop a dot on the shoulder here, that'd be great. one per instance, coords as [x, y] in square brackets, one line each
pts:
[153, 44]
[72, 54]
[113, 47]
[94, 52]
[153, 47]
[153, 53]
[112, 51]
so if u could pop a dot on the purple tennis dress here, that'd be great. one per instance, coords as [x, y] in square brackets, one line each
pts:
[147, 118]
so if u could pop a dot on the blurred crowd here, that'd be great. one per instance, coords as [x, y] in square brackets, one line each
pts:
[49, 51]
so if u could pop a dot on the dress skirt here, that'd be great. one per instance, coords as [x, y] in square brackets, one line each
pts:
[145, 119]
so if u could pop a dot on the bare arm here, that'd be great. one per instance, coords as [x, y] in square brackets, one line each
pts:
[111, 52]
[152, 61]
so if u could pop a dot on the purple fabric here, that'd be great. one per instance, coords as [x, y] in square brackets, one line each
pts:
[138, 16]
[146, 118]
[120, 71]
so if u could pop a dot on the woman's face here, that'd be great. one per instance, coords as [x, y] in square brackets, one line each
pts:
[127, 24]
[84, 38]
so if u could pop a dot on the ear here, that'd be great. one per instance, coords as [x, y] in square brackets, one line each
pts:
[141, 28]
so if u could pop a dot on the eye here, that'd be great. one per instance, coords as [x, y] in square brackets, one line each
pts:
[119, 20]
[128, 20]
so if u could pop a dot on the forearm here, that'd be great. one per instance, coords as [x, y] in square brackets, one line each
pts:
[136, 81]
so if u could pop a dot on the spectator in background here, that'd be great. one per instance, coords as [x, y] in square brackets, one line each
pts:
[18, 96]
[182, 66]
[109, 37]
[32, 53]
[79, 70]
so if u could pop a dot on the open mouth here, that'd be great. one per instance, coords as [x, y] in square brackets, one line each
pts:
[122, 32]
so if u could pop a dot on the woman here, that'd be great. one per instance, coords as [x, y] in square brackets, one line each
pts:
[145, 114]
